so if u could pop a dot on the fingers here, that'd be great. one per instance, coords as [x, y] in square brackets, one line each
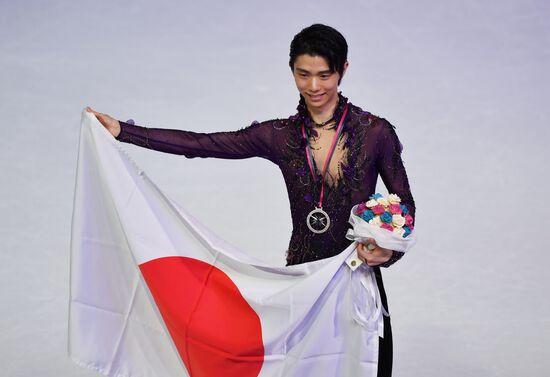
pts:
[370, 253]
[103, 118]
[363, 253]
[96, 113]
[366, 247]
[89, 109]
[370, 245]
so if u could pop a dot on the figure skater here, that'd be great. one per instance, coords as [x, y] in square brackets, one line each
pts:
[330, 153]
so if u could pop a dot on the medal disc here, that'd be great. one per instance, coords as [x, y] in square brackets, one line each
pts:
[318, 221]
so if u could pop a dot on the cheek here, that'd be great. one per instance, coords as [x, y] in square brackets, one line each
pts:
[300, 84]
[332, 83]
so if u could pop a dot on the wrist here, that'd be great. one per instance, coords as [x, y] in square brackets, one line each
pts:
[116, 129]
[395, 256]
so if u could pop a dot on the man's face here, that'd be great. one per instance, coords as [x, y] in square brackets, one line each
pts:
[315, 82]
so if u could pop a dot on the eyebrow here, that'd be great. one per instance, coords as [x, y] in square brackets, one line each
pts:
[301, 70]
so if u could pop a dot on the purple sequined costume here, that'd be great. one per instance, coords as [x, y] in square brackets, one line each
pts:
[373, 149]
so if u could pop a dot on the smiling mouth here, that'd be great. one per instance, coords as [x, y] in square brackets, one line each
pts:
[316, 96]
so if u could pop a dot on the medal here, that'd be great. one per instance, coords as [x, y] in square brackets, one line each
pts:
[318, 221]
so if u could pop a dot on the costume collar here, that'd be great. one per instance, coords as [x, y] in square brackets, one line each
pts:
[305, 117]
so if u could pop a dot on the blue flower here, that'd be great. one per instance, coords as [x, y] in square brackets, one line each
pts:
[376, 196]
[386, 217]
[407, 231]
[404, 209]
[368, 215]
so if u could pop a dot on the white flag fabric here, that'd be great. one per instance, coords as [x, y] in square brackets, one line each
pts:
[156, 293]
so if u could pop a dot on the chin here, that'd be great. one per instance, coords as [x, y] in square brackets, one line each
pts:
[321, 103]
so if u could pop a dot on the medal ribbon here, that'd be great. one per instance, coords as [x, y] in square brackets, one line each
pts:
[311, 161]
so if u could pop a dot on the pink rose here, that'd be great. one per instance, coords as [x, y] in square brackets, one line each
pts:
[408, 220]
[387, 226]
[378, 209]
[395, 209]
[361, 207]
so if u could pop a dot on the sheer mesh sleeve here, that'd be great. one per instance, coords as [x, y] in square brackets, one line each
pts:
[393, 174]
[252, 141]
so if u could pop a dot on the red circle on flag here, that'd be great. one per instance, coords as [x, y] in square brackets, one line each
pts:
[215, 330]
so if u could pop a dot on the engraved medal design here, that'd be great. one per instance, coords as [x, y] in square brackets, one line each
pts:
[318, 221]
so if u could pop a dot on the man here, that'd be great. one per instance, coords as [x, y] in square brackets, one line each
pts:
[330, 154]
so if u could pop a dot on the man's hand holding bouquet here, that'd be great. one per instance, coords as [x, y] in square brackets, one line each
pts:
[383, 229]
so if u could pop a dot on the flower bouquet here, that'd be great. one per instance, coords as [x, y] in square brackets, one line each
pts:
[386, 220]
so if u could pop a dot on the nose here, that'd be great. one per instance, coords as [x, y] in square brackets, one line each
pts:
[314, 85]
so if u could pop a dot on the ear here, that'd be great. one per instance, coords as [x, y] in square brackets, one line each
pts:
[346, 64]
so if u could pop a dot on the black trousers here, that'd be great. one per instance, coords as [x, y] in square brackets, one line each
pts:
[385, 348]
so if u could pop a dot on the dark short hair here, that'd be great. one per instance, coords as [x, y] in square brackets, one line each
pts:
[321, 40]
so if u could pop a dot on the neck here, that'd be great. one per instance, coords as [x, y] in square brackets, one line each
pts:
[320, 115]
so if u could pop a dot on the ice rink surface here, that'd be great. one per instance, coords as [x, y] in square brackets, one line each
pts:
[465, 83]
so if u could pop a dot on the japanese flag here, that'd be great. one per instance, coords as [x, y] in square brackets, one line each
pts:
[155, 293]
